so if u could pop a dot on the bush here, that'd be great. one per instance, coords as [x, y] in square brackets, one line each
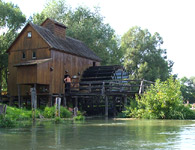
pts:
[57, 120]
[79, 116]
[161, 101]
[65, 113]
[18, 114]
[6, 122]
[49, 112]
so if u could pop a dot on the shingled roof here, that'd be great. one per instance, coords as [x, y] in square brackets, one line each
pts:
[69, 45]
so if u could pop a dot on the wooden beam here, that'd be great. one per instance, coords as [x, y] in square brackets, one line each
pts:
[106, 106]
[19, 101]
[125, 102]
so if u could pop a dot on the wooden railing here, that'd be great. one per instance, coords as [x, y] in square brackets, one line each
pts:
[110, 87]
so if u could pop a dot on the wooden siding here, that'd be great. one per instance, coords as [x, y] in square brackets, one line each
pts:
[27, 45]
[43, 73]
[66, 62]
[27, 74]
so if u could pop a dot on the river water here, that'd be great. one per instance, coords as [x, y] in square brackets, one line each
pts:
[101, 134]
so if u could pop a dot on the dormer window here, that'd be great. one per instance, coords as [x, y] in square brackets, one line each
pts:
[23, 55]
[29, 34]
[33, 55]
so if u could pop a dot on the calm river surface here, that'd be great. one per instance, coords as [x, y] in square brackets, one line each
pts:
[104, 134]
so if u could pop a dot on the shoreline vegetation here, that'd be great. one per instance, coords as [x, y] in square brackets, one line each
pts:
[163, 100]
[16, 117]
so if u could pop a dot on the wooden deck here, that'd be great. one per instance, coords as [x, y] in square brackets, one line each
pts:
[108, 88]
[99, 95]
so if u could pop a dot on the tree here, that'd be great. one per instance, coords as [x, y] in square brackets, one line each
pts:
[11, 19]
[87, 26]
[188, 88]
[143, 56]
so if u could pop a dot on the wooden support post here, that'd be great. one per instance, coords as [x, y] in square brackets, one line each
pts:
[103, 88]
[11, 101]
[89, 87]
[106, 106]
[125, 102]
[114, 106]
[50, 98]
[58, 103]
[64, 101]
[76, 106]
[33, 101]
[26, 102]
[19, 102]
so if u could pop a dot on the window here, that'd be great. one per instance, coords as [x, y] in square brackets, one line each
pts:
[23, 55]
[29, 35]
[33, 54]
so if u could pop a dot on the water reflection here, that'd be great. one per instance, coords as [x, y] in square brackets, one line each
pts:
[101, 134]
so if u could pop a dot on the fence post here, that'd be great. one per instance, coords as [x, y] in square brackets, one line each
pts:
[58, 103]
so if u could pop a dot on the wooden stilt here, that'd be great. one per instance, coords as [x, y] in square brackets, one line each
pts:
[11, 100]
[106, 106]
[125, 102]
[33, 102]
[76, 106]
[19, 102]
[114, 106]
[58, 103]
[64, 101]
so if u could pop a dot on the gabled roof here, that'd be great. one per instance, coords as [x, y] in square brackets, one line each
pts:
[69, 45]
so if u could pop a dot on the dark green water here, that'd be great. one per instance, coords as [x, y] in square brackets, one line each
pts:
[101, 135]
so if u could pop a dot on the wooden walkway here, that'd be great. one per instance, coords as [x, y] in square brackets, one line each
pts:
[109, 88]
[105, 92]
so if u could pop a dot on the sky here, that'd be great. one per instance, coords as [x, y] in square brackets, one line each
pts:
[174, 20]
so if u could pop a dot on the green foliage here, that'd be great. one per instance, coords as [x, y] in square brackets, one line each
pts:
[79, 116]
[87, 26]
[18, 114]
[188, 88]
[11, 19]
[143, 56]
[58, 120]
[49, 112]
[7, 122]
[161, 101]
[65, 113]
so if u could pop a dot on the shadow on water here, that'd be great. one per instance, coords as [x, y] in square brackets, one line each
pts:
[100, 134]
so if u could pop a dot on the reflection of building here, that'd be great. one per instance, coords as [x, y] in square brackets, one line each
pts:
[40, 56]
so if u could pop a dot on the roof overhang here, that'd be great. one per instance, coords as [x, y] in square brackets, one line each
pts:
[32, 62]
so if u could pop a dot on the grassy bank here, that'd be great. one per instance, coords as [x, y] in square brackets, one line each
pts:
[14, 116]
